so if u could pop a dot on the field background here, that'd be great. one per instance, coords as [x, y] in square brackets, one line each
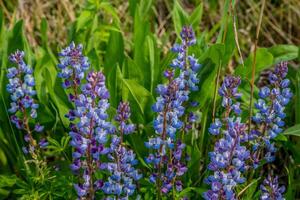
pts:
[130, 42]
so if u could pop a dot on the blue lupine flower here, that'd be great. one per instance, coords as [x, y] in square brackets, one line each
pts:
[121, 182]
[21, 88]
[270, 114]
[215, 127]
[166, 125]
[168, 152]
[189, 67]
[89, 127]
[89, 134]
[270, 189]
[228, 160]
[73, 65]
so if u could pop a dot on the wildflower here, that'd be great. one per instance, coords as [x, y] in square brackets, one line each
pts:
[269, 118]
[188, 66]
[23, 106]
[73, 65]
[89, 127]
[121, 182]
[168, 153]
[228, 160]
[89, 134]
[270, 189]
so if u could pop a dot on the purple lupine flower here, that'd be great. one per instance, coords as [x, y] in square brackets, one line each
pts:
[228, 160]
[189, 67]
[169, 109]
[89, 126]
[89, 134]
[43, 143]
[167, 150]
[270, 189]
[73, 65]
[269, 118]
[121, 182]
[23, 106]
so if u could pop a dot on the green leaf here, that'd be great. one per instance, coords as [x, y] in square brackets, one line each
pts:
[44, 29]
[153, 55]
[180, 17]
[215, 52]
[140, 95]
[196, 16]
[281, 137]
[294, 130]
[7, 180]
[114, 57]
[284, 52]
[189, 189]
[141, 31]
[264, 59]
[84, 18]
[249, 190]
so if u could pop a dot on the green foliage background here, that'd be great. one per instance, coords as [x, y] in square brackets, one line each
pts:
[133, 57]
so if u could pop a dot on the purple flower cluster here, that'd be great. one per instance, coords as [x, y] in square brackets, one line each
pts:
[228, 160]
[123, 175]
[188, 66]
[23, 106]
[89, 134]
[89, 127]
[270, 189]
[73, 65]
[169, 109]
[167, 148]
[270, 115]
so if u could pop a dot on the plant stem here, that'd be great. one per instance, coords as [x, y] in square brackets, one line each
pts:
[254, 62]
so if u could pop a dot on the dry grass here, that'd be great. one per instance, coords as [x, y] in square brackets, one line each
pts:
[58, 13]
[280, 21]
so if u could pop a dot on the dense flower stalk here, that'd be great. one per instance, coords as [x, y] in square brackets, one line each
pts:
[89, 127]
[188, 66]
[73, 65]
[270, 115]
[228, 160]
[123, 175]
[270, 189]
[169, 108]
[23, 106]
[167, 148]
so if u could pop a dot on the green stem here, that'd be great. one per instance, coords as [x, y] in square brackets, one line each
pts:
[254, 62]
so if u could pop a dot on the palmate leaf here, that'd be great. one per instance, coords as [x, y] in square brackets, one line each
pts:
[56, 147]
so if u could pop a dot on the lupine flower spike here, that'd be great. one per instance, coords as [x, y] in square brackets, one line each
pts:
[228, 160]
[123, 175]
[89, 128]
[167, 154]
[269, 118]
[188, 66]
[270, 189]
[169, 108]
[23, 106]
